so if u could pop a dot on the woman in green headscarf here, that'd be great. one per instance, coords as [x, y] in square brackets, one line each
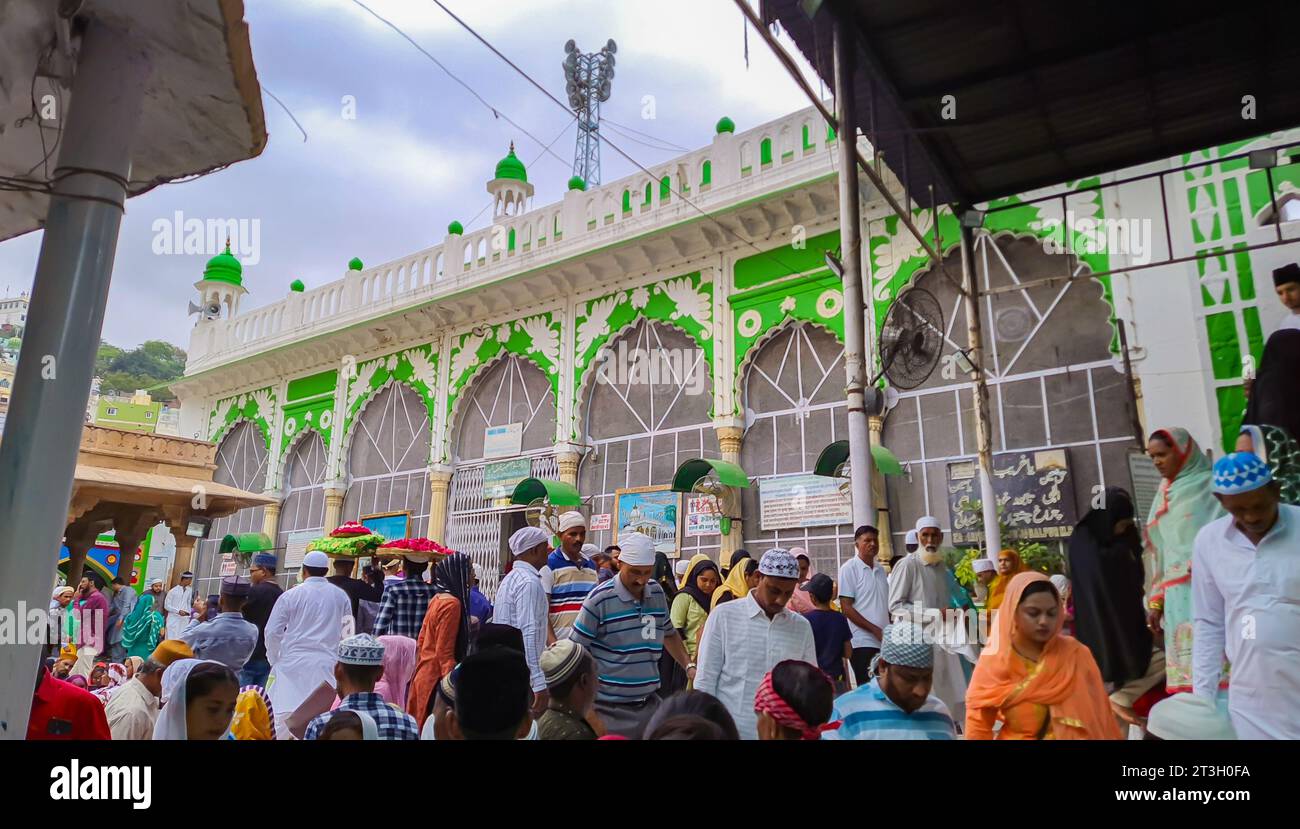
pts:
[1184, 504]
[143, 628]
[1280, 451]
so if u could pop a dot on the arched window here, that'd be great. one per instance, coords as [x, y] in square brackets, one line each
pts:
[793, 393]
[241, 463]
[765, 152]
[302, 515]
[388, 460]
[646, 410]
[665, 189]
[627, 201]
[706, 174]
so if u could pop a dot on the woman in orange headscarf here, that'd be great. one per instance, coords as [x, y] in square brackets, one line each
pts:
[1009, 566]
[1041, 684]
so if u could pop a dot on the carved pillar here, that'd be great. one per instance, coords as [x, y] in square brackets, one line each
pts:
[271, 520]
[439, 484]
[333, 508]
[730, 439]
[131, 527]
[568, 463]
[875, 424]
[79, 538]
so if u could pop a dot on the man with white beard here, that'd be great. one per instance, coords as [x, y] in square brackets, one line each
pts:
[919, 586]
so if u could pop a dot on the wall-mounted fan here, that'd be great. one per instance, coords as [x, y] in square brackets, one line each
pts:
[911, 339]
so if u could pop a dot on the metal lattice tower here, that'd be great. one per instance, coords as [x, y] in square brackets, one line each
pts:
[587, 79]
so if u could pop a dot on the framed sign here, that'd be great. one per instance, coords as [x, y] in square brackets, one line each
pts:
[792, 501]
[503, 441]
[296, 547]
[1035, 495]
[228, 564]
[500, 478]
[390, 525]
[702, 516]
[599, 521]
[651, 510]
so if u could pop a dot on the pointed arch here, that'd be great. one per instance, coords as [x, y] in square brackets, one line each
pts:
[507, 386]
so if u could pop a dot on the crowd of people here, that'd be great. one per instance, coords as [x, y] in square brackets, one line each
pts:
[1182, 626]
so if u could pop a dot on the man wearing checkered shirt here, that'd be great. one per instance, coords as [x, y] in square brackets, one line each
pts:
[361, 663]
[402, 609]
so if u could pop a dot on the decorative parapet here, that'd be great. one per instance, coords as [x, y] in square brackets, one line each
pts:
[98, 440]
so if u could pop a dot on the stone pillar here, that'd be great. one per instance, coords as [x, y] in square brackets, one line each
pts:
[271, 520]
[185, 550]
[730, 439]
[333, 508]
[130, 527]
[79, 538]
[439, 485]
[568, 463]
[875, 424]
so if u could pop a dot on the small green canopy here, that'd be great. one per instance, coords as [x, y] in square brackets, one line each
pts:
[246, 543]
[835, 455]
[558, 493]
[691, 471]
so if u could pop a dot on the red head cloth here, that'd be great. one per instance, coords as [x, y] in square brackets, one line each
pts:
[768, 701]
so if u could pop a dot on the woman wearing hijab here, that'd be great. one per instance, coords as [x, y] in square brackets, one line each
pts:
[254, 717]
[199, 699]
[132, 664]
[1039, 684]
[736, 557]
[800, 601]
[444, 637]
[114, 676]
[742, 578]
[663, 574]
[1106, 563]
[142, 629]
[400, 655]
[1275, 393]
[1009, 566]
[1280, 452]
[1184, 504]
[691, 606]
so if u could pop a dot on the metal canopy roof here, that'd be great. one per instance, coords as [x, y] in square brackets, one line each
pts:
[1047, 93]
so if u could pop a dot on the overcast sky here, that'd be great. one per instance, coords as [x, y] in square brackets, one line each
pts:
[421, 147]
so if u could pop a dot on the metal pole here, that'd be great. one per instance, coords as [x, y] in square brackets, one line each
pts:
[983, 430]
[851, 252]
[66, 315]
[1139, 435]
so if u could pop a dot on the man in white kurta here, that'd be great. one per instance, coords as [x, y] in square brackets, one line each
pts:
[746, 638]
[133, 710]
[923, 579]
[1246, 602]
[179, 605]
[302, 638]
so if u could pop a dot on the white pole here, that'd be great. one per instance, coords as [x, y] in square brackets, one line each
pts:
[851, 252]
[983, 430]
[64, 322]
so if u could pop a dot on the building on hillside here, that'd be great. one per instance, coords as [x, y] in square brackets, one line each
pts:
[137, 413]
[13, 310]
[608, 337]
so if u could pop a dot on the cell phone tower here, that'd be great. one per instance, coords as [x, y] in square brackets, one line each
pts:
[587, 79]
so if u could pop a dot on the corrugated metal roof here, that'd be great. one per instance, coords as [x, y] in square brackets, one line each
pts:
[1050, 92]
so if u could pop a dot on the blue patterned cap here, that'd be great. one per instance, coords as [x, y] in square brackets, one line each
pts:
[904, 643]
[778, 563]
[1240, 472]
[264, 560]
[361, 649]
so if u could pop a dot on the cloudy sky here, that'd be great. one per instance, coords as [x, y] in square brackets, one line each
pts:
[421, 147]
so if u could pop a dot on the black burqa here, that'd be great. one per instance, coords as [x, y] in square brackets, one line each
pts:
[1107, 583]
[1275, 394]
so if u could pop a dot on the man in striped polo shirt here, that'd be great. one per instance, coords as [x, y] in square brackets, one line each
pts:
[568, 575]
[896, 704]
[624, 624]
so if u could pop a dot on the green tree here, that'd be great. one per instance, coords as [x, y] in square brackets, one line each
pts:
[151, 366]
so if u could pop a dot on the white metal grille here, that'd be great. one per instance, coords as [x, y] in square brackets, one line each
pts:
[241, 462]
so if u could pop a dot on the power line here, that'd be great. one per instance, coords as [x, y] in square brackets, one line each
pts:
[616, 148]
[626, 128]
[628, 137]
[495, 112]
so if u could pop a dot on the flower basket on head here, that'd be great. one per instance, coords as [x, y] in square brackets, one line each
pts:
[351, 540]
[415, 549]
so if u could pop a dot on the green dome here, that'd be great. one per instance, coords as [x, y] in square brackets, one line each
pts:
[511, 166]
[297, 287]
[725, 124]
[224, 268]
[455, 229]
[356, 265]
[576, 183]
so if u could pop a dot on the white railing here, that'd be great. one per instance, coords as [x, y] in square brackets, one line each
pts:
[733, 169]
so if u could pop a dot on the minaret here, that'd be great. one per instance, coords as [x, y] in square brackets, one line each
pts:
[511, 192]
[222, 283]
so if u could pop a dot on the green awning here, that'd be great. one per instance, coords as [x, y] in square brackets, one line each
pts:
[558, 493]
[691, 471]
[837, 454]
[246, 543]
